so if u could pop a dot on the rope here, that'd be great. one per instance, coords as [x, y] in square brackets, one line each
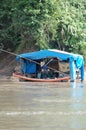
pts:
[11, 53]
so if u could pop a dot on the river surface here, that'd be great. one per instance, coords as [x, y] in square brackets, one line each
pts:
[42, 106]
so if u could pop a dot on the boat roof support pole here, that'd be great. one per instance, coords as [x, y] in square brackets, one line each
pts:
[82, 72]
[72, 70]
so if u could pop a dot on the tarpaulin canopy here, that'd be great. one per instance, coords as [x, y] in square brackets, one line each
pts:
[74, 59]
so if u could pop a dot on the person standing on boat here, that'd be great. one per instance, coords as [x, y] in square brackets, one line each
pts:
[44, 72]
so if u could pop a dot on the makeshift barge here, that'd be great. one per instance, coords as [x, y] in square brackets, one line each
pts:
[43, 66]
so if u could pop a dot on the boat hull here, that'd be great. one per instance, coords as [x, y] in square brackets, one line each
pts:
[22, 77]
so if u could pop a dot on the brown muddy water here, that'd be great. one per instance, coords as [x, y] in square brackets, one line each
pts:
[42, 106]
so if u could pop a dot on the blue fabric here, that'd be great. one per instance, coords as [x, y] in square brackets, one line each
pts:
[47, 53]
[72, 70]
[79, 61]
[44, 67]
[52, 53]
[82, 73]
[23, 66]
[28, 67]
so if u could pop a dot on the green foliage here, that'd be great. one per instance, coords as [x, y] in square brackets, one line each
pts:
[72, 25]
[8, 36]
[43, 23]
[36, 21]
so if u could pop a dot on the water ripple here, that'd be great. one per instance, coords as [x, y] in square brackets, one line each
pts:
[59, 100]
[34, 113]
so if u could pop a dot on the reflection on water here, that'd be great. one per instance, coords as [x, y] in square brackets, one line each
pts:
[42, 106]
[75, 84]
[78, 95]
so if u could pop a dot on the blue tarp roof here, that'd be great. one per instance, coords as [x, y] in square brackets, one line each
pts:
[62, 55]
[48, 53]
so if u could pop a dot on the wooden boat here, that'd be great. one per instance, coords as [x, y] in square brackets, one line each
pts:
[44, 60]
[18, 75]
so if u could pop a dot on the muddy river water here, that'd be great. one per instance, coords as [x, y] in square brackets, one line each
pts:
[42, 106]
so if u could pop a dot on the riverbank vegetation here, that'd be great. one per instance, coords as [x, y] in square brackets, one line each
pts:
[41, 24]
